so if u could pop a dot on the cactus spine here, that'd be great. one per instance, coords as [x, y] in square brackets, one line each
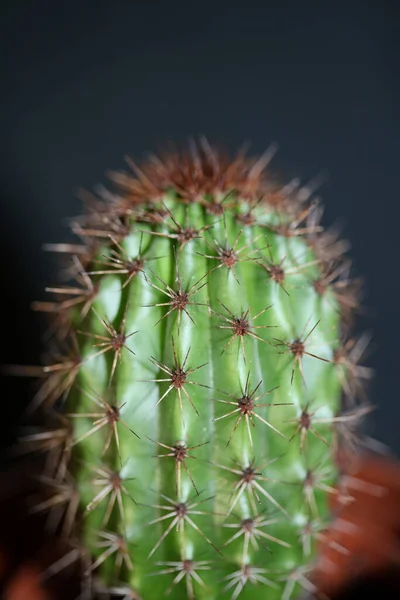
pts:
[202, 369]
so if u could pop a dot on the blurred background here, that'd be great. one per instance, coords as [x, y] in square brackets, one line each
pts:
[85, 83]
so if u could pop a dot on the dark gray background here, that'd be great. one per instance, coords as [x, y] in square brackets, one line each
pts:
[83, 85]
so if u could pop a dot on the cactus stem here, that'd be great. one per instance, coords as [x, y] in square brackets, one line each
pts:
[240, 253]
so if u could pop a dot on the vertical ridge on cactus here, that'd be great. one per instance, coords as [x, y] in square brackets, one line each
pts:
[202, 387]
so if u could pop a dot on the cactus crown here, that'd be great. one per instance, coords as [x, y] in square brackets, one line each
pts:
[201, 357]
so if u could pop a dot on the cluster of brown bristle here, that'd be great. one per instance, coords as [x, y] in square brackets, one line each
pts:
[215, 181]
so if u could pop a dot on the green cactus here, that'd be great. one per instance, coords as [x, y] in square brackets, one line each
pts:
[199, 378]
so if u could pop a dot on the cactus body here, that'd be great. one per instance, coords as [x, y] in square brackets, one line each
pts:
[205, 381]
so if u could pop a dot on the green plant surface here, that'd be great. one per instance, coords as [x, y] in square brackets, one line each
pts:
[206, 386]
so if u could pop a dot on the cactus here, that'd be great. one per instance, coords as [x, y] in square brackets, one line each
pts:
[199, 361]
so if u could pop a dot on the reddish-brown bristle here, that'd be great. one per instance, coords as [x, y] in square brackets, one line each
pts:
[198, 172]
